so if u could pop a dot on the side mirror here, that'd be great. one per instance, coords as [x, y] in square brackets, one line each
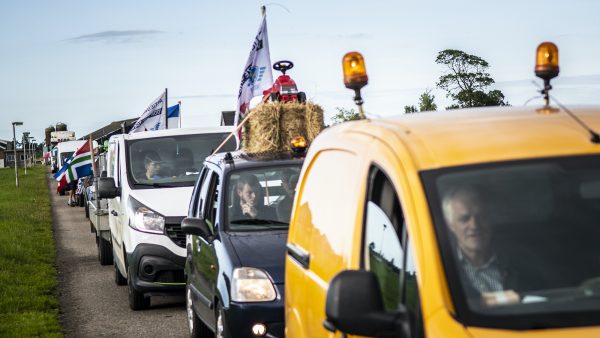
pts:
[354, 306]
[107, 188]
[196, 226]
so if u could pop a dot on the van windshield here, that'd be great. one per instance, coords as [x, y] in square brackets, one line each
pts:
[261, 198]
[171, 161]
[520, 241]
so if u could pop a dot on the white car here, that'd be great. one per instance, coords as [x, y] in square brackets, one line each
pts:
[150, 177]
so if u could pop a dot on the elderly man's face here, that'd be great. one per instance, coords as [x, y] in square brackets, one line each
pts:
[247, 195]
[469, 223]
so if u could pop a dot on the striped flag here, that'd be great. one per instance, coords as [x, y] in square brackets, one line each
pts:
[77, 166]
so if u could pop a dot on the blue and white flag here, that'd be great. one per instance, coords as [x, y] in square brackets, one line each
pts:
[257, 75]
[173, 116]
[154, 117]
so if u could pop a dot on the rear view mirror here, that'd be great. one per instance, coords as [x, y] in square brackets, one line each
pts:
[196, 226]
[107, 188]
[354, 306]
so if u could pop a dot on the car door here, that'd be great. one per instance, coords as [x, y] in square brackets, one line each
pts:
[204, 259]
[387, 250]
[115, 203]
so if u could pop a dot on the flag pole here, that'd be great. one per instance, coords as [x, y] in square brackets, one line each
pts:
[166, 109]
[240, 125]
[179, 107]
[93, 163]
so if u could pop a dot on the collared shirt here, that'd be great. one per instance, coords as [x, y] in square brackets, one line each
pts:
[484, 278]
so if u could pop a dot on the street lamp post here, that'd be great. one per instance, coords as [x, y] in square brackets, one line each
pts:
[25, 138]
[32, 143]
[15, 151]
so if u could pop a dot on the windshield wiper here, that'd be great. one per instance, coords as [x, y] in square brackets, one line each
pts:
[258, 221]
[157, 185]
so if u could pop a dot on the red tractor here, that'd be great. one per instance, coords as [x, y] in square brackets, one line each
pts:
[284, 89]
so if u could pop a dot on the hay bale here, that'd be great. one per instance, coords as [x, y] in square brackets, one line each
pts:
[273, 125]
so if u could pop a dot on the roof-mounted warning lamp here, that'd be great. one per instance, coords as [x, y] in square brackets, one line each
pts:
[355, 77]
[546, 66]
[298, 145]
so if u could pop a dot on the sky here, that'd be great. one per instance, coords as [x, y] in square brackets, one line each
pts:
[88, 63]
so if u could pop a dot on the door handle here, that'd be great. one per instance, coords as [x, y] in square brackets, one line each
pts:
[114, 213]
[299, 255]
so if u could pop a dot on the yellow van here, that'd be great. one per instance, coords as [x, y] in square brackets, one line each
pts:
[480, 222]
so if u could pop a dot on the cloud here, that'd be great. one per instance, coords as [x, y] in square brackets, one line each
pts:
[128, 36]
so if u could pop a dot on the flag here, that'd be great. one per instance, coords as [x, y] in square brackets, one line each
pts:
[257, 75]
[77, 166]
[173, 116]
[154, 117]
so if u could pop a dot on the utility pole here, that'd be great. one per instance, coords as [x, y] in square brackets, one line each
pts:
[15, 152]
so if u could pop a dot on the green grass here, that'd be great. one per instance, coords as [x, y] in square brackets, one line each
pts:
[28, 303]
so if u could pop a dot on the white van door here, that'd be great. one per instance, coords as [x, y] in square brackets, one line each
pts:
[115, 209]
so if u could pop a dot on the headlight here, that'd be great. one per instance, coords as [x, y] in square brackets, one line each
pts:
[149, 221]
[145, 219]
[251, 285]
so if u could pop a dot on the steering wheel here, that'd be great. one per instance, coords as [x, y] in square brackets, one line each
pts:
[283, 66]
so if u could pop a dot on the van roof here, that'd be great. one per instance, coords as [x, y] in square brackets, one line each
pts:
[491, 134]
[176, 132]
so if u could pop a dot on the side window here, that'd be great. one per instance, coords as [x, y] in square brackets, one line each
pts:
[386, 248]
[203, 191]
[210, 208]
[193, 207]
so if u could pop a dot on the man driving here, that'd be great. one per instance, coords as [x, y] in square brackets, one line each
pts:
[468, 220]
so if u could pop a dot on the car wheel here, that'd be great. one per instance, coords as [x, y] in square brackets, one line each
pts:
[221, 327]
[275, 97]
[119, 279]
[105, 254]
[196, 327]
[87, 210]
[137, 301]
[92, 229]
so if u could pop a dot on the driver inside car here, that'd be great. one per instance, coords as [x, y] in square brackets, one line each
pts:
[250, 203]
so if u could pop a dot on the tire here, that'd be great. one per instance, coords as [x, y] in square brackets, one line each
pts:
[137, 301]
[221, 330]
[196, 327]
[302, 97]
[275, 97]
[87, 210]
[119, 279]
[105, 254]
[92, 230]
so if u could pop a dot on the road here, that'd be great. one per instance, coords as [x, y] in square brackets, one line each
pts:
[91, 304]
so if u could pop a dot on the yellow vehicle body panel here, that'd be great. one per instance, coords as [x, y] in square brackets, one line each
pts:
[403, 147]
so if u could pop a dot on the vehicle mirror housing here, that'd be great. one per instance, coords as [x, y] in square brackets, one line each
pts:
[196, 226]
[107, 188]
[354, 306]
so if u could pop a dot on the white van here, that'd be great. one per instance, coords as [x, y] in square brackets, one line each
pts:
[150, 180]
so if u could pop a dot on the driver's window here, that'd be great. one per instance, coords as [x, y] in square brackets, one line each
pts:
[210, 208]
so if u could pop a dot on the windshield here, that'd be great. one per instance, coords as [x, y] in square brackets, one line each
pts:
[261, 199]
[520, 241]
[289, 89]
[171, 161]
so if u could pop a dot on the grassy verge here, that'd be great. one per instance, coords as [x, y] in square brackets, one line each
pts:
[28, 304]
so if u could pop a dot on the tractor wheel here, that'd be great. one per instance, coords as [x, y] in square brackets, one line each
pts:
[275, 97]
[301, 97]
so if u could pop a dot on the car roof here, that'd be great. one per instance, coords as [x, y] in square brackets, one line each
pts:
[479, 135]
[245, 160]
[176, 132]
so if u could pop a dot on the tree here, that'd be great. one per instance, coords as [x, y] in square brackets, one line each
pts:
[426, 101]
[410, 109]
[467, 80]
[344, 115]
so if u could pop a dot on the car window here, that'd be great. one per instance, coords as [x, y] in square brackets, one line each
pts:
[261, 198]
[520, 240]
[210, 204]
[387, 251]
[193, 207]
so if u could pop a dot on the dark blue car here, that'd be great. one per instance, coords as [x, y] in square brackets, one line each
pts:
[236, 230]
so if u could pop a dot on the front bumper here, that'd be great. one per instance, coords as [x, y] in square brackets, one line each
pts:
[156, 269]
[240, 317]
